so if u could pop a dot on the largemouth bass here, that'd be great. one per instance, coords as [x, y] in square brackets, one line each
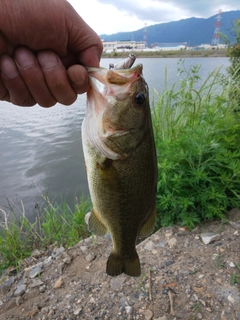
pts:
[120, 159]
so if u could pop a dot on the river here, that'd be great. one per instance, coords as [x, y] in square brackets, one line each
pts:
[41, 151]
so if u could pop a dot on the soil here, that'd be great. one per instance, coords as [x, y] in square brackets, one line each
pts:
[182, 278]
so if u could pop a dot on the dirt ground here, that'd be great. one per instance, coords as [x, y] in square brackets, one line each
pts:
[182, 278]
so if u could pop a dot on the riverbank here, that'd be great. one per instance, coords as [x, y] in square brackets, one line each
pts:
[169, 54]
[185, 275]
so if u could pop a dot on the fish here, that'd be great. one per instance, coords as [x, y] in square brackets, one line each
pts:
[120, 158]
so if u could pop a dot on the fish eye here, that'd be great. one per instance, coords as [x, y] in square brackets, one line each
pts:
[140, 98]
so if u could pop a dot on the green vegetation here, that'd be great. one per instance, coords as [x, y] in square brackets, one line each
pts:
[235, 277]
[57, 224]
[197, 137]
[168, 54]
[234, 70]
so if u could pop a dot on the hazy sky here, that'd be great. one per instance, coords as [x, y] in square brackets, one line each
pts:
[112, 16]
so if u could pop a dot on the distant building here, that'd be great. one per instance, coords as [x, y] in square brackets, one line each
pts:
[109, 46]
[209, 46]
[169, 46]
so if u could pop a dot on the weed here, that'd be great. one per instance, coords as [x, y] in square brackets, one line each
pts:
[197, 306]
[57, 224]
[235, 277]
[218, 262]
[197, 137]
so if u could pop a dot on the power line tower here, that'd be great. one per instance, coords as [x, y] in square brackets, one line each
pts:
[145, 34]
[216, 35]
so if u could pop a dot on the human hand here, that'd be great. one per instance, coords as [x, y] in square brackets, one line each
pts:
[42, 44]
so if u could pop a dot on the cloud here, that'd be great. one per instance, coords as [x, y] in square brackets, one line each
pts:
[159, 11]
[112, 16]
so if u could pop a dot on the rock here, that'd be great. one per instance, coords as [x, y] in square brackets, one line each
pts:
[36, 253]
[172, 242]
[168, 263]
[217, 244]
[35, 271]
[48, 261]
[161, 244]
[116, 283]
[149, 245]
[42, 289]
[58, 283]
[77, 311]
[238, 315]
[84, 249]
[195, 297]
[36, 283]
[234, 225]
[19, 301]
[147, 313]
[210, 237]
[231, 298]
[232, 265]
[161, 318]
[223, 316]
[57, 251]
[8, 283]
[66, 258]
[90, 257]
[60, 267]
[20, 290]
[168, 235]
[128, 309]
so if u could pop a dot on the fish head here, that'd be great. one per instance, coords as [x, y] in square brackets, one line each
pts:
[118, 111]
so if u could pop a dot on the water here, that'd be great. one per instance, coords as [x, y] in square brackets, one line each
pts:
[41, 150]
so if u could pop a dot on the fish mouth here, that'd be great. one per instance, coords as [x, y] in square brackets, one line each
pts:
[138, 67]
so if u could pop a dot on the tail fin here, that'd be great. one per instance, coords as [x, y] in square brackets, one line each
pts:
[117, 265]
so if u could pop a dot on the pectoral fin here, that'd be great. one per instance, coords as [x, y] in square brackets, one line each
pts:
[95, 225]
[148, 226]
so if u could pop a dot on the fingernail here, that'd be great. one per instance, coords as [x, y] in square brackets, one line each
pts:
[47, 61]
[8, 67]
[24, 58]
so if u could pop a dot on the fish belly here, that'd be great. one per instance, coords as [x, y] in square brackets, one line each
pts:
[123, 196]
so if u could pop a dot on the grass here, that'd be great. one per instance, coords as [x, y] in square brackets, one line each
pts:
[56, 224]
[168, 53]
[197, 136]
[235, 277]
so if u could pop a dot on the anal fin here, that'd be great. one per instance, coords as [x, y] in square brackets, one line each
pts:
[95, 225]
[148, 226]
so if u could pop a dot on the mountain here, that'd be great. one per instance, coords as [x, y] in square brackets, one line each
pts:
[194, 31]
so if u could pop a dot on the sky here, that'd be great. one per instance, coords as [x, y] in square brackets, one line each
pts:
[112, 16]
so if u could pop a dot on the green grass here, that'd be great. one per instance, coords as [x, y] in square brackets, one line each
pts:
[56, 224]
[167, 53]
[197, 136]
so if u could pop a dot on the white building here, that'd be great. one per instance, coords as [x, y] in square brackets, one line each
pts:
[170, 48]
[109, 46]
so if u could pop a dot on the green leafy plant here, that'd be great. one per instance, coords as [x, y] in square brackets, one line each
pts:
[198, 148]
[233, 52]
[57, 223]
[235, 277]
